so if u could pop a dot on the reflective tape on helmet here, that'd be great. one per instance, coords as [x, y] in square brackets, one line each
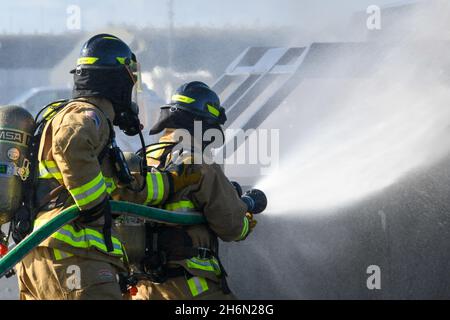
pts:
[89, 192]
[110, 38]
[87, 60]
[210, 265]
[121, 60]
[197, 285]
[181, 98]
[155, 188]
[245, 229]
[213, 110]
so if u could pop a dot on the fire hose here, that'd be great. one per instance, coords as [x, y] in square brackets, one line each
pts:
[255, 200]
[70, 214]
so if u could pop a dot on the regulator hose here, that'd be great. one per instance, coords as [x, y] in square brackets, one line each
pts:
[70, 214]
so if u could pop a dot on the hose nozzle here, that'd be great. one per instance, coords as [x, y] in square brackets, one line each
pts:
[255, 200]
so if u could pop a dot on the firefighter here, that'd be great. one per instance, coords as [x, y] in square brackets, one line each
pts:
[80, 164]
[185, 264]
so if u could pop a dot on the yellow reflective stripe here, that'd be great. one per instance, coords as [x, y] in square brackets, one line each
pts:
[50, 113]
[214, 111]
[197, 285]
[155, 151]
[155, 154]
[160, 182]
[48, 170]
[43, 173]
[180, 98]
[179, 206]
[60, 255]
[89, 192]
[155, 188]
[52, 110]
[86, 238]
[121, 60]
[210, 265]
[150, 188]
[87, 60]
[83, 238]
[244, 229]
[110, 38]
[110, 185]
[53, 169]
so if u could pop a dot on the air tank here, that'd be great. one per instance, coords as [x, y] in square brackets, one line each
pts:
[16, 129]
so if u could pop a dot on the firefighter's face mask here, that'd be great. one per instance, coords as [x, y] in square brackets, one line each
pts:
[128, 121]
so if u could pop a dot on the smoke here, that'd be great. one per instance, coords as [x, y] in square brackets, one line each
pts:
[373, 130]
[164, 80]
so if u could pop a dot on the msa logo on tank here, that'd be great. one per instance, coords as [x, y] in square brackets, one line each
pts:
[14, 136]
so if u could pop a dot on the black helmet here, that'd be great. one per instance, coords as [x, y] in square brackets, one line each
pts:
[197, 98]
[106, 68]
[105, 50]
[192, 101]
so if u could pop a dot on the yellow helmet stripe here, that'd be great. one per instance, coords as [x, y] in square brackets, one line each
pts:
[121, 60]
[87, 60]
[180, 98]
[110, 38]
[214, 111]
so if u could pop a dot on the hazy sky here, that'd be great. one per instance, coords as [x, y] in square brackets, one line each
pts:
[29, 16]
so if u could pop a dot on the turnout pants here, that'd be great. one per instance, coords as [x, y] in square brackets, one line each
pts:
[44, 277]
[179, 288]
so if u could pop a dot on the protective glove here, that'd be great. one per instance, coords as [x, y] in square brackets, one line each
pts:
[180, 177]
[251, 225]
[251, 222]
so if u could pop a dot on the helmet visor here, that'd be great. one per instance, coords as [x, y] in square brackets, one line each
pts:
[134, 70]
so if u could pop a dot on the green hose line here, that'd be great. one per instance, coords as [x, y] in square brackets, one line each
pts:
[71, 213]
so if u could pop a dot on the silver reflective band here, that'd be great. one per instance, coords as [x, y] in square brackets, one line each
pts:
[155, 187]
[91, 191]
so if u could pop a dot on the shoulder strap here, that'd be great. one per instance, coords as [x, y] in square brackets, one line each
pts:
[165, 149]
